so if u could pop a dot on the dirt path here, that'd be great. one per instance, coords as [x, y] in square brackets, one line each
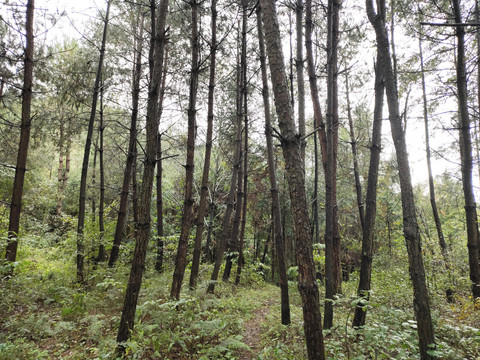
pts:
[252, 332]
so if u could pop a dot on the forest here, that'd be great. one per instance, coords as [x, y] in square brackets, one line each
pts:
[291, 179]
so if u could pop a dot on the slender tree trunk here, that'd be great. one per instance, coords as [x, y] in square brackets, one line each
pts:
[60, 170]
[368, 233]
[63, 168]
[20, 168]
[187, 216]
[319, 125]
[233, 238]
[477, 38]
[134, 186]
[223, 238]
[312, 78]
[277, 217]
[232, 244]
[159, 183]
[101, 206]
[300, 78]
[332, 235]
[86, 155]
[353, 143]
[2, 86]
[307, 284]
[202, 207]
[127, 175]
[431, 185]
[410, 224]
[143, 225]
[466, 156]
[241, 239]
[159, 175]
[94, 179]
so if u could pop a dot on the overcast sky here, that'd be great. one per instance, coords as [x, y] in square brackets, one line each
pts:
[76, 13]
[79, 11]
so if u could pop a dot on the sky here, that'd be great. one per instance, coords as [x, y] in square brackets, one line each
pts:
[76, 13]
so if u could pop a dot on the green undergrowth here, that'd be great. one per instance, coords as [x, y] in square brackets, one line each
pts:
[44, 314]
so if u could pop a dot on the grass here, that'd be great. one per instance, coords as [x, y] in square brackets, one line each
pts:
[45, 315]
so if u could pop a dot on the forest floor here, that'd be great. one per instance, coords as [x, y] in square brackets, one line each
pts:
[253, 332]
[44, 314]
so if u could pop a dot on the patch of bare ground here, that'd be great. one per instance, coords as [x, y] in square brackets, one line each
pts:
[252, 332]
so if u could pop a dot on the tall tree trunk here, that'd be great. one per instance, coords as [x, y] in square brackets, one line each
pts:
[94, 179]
[300, 78]
[332, 234]
[202, 207]
[477, 124]
[319, 125]
[353, 143]
[241, 239]
[410, 224]
[159, 203]
[159, 175]
[223, 238]
[277, 217]
[20, 168]
[233, 244]
[134, 186]
[431, 185]
[290, 142]
[63, 168]
[86, 155]
[312, 78]
[466, 156]
[101, 206]
[364, 284]
[187, 216]
[143, 225]
[127, 175]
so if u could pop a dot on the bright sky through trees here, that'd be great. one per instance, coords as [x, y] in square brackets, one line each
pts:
[76, 14]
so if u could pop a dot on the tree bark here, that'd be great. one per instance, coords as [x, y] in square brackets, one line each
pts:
[202, 207]
[318, 123]
[277, 217]
[187, 216]
[143, 225]
[25, 126]
[232, 244]
[234, 241]
[159, 203]
[300, 76]
[101, 206]
[332, 235]
[466, 156]
[127, 175]
[312, 79]
[241, 259]
[86, 155]
[159, 174]
[368, 230]
[410, 224]
[290, 142]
